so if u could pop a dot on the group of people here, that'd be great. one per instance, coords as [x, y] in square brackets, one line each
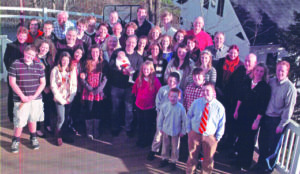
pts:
[167, 85]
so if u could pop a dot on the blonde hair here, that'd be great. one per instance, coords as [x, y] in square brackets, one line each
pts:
[207, 52]
[152, 75]
[266, 72]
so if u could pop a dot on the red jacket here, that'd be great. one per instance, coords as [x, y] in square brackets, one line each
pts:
[30, 39]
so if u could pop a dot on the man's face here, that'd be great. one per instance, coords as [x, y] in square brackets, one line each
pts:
[208, 93]
[71, 37]
[81, 28]
[62, 19]
[91, 25]
[48, 28]
[167, 19]
[281, 72]
[117, 30]
[141, 14]
[33, 27]
[219, 40]
[22, 37]
[113, 17]
[29, 56]
[250, 62]
[198, 24]
[130, 43]
[198, 79]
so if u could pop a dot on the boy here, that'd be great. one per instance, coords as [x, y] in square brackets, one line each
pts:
[171, 123]
[27, 79]
[194, 90]
[162, 97]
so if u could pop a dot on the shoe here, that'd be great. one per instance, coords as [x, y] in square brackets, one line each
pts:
[35, 143]
[172, 166]
[150, 156]
[39, 133]
[163, 163]
[15, 146]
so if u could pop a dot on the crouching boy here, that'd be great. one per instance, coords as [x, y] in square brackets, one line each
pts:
[171, 122]
[27, 79]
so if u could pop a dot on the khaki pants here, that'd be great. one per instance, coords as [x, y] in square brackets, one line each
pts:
[209, 146]
[174, 143]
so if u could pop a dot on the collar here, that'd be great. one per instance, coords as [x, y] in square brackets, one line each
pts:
[282, 81]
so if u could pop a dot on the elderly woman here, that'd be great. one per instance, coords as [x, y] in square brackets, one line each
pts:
[181, 64]
[252, 103]
[205, 62]
[111, 46]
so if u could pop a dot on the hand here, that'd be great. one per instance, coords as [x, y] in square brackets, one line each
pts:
[125, 72]
[82, 75]
[255, 124]
[235, 115]
[47, 90]
[279, 130]
[25, 99]
[32, 97]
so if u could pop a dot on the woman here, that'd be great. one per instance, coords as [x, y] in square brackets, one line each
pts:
[205, 62]
[111, 46]
[63, 82]
[46, 56]
[194, 51]
[142, 46]
[166, 45]
[252, 104]
[130, 29]
[181, 64]
[101, 34]
[159, 63]
[178, 38]
[154, 34]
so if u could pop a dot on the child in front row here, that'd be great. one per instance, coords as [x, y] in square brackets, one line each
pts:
[171, 123]
[162, 97]
[145, 89]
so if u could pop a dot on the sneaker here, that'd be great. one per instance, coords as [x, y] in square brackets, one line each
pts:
[150, 156]
[35, 143]
[172, 166]
[163, 163]
[15, 146]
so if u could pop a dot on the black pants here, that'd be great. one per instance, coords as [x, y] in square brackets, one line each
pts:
[10, 103]
[146, 126]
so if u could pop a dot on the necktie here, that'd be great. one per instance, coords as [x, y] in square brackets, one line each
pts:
[203, 122]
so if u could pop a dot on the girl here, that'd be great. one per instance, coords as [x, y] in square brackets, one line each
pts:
[194, 51]
[178, 38]
[166, 45]
[94, 81]
[46, 57]
[205, 63]
[181, 64]
[142, 46]
[63, 82]
[154, 34]
[145, 89]
[159, 63]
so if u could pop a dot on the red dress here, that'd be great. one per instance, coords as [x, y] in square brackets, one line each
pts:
[93, 79]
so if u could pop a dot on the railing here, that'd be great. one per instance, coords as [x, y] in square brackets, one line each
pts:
[289, 154]
[3, 41]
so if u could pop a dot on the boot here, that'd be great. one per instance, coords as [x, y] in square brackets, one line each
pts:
[58, 138]
[96, 128]
[89, 124]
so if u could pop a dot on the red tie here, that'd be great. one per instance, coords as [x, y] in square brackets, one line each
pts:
[203, 122]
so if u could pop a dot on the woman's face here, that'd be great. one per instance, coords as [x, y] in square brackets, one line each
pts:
[179, 37]
[22, 37]
[78, 54]
[95, 53]
[181, 52]
[102, 32]
[190, 44]
[142, 43]
[65, 61]
[233, 54]
[259, 73]
[155, 51]
[44, 49]
[130, 31]
[112, 43]
[165, 42]
[205, 59]
[155, 34]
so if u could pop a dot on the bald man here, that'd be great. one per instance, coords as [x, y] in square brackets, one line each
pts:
[62, 25]
[202, 37]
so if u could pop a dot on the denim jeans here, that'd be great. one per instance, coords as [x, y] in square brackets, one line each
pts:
[121, 96]
[62, 115]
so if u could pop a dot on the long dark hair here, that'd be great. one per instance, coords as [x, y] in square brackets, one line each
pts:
[65, 54]
[186, 62]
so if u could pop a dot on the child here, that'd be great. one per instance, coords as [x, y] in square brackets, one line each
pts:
[27, 80]
[171, 123]
[166, 45]
[145, 89]
[162, 97]
[122, 62]
[94, 82]
[194, 91]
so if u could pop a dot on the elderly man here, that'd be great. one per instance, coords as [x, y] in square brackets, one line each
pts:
[205, 127]
[202, 37]
[144, 26]
[218, 50]
[277, 116]
[62, 25]
[34, 31]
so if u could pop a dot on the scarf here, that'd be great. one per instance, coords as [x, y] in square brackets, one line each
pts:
[229, 66]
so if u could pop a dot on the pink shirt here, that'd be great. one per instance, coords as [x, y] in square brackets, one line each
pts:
[145, 97]
[203, 39]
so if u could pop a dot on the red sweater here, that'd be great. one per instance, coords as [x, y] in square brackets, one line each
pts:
[30, 39]
[145, 97]
[203, 39]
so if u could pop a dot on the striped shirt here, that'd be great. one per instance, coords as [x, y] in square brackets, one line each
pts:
[27, 77]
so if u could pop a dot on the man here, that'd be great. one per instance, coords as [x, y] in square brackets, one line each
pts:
[218, 50]
[48, 32]
[167, 28]
[144, 26]
[205, 127]
[121, 88]
[62, 25]
[202, 37]
[277, 116]
[113, 20]
[27, 79]
[81, 26]
[91, 25]
[34, 31]
[14, 51]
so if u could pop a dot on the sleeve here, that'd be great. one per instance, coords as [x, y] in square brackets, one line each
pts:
[101, 85]
[135, 88]
[74, 85]
[7, 56]
[213, 76]
[290, 101]
[158, 99]
[168, 71]
[160, 120]
[86, 85]
[12, 70]
[221, 125]
[157, 85]
[264, 98]
[189, 117]
[54, 87]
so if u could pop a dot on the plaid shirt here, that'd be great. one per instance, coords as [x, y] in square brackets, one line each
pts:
[93, 79]
[59, 32]
[191, 93]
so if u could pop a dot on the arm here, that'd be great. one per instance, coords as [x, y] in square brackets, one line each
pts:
[158, 100]
[101, 86]
[73, 86]
[85, 83]
[54, 87]
[213, 77]
[236, 112]
[189, 117]
[17, 90]
[221, 124]
[40, 88]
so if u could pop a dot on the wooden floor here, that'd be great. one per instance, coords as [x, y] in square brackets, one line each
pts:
[106, 155]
